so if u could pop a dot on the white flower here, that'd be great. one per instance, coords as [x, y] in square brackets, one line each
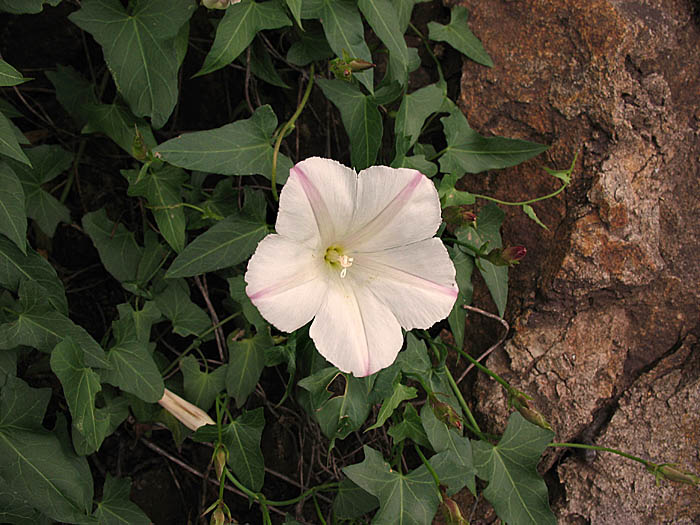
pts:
[188, 414]
[356, 254]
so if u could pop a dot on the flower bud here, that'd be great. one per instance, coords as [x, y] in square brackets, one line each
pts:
[506, 257]
[521, 404]
[220, 462]
[444, 412]
[138, 146]
[452, 513]
[218, 4]
[218, 517]
[188, 414]
[672, 473]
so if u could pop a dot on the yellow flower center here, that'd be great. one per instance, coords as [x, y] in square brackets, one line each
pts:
[336, 257]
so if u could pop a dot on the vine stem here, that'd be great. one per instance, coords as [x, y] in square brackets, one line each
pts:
[285, 128]
[644, 462]
[430, 469]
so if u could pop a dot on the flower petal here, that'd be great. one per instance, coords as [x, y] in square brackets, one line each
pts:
[286, 282]
[394, 207]
[354, 330]
[316, 204]
[417, 282]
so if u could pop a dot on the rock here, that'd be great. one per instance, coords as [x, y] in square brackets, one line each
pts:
[610, 292]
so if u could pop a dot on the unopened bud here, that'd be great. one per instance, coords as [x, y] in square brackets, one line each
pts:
[506, 257]
[671, 473]
[138, 146]
[220, 462]
[188, 414]
[444, 412]
[343, 68]
[218, 4]
[357, 65]
[218, 517]
[452, 513]
[521, 404]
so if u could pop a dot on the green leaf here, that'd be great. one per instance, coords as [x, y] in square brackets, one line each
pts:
[134, 370]
[295, 7]
[9, 146]
[115, 411]
[13, 219]
[343, 414]
[459, 36]
[15, 510]
[225, 244]
[236, 30]
[401, 393]
[404, 8]
[415, 109]
[261, 66]
[40, 326]
[361, 119]
[344, 31]
[449, 196]
[9, 76]
[162, 188]
[459, 469]
[240, 148]
[80, 386]
[468, 151]
[311, 47]
[530, 212]
[383, 19]
[414, 359]
[139, 48]
[236, 286]
[488, 230]
[351, 501]
[242, 440]
[245, 364]
[116, 508]
[116, 245]
[201, 388]
[48, 162]
[21, 7]
[464, 265]
[116, 121]
[403, 498]
[410, 427]
[515, 489]
[175, 304]
[38, 467]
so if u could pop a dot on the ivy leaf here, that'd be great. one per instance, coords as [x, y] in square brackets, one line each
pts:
[162, 189]
[119, 252]
[345, 413]
[201, 388]
[403, 498]
[400, 393]
[80, 386]
[225, 244]
[241, 22]
[459, 469]
[139, 48]
[77, 96]
[344, 31]
[414, 359]
[459, 36]
[351, 501]
[515, 489]
[116, 508]
[410, 427]
[415, 108]
[530, 212]
[9, 76]
[13, 217]
[174, 303]
[48, 162]
[240, 148]
[464, 265]
[245, 364]
[361, 119]
[384, 20]
[38, 325]
[38, 467]
[468, 151]
[9, 146]
[488, 230]
[449, 196]
[242, 440]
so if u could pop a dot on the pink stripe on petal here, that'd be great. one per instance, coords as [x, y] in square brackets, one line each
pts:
[324, 221]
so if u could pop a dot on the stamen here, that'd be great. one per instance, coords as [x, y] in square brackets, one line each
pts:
[345, 263]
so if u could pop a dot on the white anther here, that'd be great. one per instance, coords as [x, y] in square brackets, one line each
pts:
[345, 263]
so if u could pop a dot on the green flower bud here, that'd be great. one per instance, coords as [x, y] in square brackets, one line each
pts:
[452, 513]
[671, 473]
[444, 412]
[521, 404]
[218, 4]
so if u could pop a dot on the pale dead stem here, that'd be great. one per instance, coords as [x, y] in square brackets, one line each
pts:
[492, 347]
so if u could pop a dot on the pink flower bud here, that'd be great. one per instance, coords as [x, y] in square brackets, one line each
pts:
[513, 254]
[444, 412]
